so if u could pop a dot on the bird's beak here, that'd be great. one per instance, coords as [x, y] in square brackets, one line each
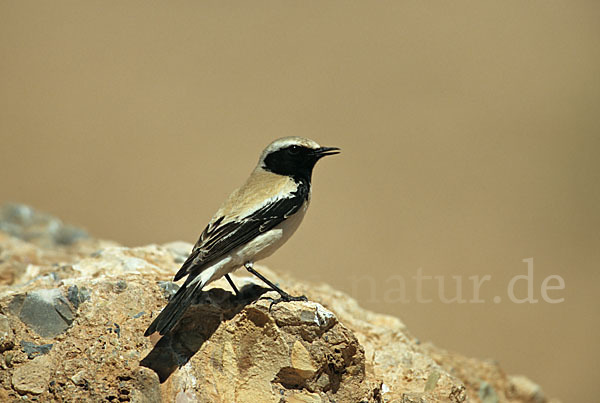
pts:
[325, 151]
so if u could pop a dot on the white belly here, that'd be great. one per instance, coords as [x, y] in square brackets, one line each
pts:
[259, 248]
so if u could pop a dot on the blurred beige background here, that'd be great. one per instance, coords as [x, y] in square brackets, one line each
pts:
[470, 133]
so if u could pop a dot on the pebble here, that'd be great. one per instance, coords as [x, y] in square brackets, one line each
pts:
[33, 377]
[47, 312]
[33, 350]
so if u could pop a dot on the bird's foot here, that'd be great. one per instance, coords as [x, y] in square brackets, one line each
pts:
[285, 298]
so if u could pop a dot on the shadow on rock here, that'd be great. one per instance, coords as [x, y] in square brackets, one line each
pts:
[201, 320]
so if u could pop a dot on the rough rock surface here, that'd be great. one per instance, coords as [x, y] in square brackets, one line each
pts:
[73, 311]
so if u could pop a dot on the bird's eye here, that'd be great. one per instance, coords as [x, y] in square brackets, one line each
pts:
[294, 150]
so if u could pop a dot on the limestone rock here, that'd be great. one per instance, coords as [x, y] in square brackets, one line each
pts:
[33, 377]
[73, 314]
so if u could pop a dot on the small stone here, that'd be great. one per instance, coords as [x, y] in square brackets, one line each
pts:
[68, 234]
[323, 381]
[6, 334]
[77, 296]
[64, 309]
[302, 361]
[432, 380]
[73, 296]
[47, 312]
[79, 378]
[487, 394]
[84, 294]
[33, 377]
[309, 313]
[525, 389]
[33, 350]
[146, 386]
[179, 250]
[16, 214]
[169, 288]
[8, 357]
[121, 286]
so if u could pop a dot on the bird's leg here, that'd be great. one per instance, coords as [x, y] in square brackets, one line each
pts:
[230, 281]
[284, 296]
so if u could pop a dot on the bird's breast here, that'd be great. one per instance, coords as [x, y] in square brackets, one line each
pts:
[265, 244]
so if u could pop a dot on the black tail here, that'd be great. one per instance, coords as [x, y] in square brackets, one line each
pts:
[176, 307]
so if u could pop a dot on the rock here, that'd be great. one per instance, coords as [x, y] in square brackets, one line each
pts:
[33, 377]
[179, 249]
[79, 378]
[6, 334]
[224, 349]
[277, 358]
[77, 296]
[46, 311]
[151, 261]
[169, 288]
[33, 350]
[487, 394]
[25, 223]
[36, 246]
[146, 386]
[302, 363]
[522, 388]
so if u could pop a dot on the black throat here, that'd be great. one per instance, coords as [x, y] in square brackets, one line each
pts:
[297, 163]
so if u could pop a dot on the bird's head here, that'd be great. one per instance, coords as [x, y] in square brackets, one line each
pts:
[294, 156]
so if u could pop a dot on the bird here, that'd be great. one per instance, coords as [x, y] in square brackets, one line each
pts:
[254, 221]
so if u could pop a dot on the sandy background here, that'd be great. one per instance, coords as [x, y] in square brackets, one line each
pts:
[470, 136]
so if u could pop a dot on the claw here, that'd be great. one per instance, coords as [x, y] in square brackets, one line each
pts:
[285, 298]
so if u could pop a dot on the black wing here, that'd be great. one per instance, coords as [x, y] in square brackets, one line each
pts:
[219, 239]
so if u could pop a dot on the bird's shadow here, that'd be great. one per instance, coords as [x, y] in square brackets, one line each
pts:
[201, 320]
